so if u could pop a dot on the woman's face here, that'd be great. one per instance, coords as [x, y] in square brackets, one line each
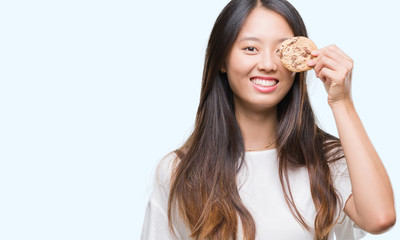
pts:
[255, 73]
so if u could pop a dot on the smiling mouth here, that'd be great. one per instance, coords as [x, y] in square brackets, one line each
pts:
[264, 83]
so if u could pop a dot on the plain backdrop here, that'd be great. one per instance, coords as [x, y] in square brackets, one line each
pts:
[94, 93]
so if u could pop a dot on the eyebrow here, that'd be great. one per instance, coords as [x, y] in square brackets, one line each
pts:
[250, 38]
[258, 40]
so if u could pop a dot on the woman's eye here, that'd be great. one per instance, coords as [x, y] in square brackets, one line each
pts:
[250, 49]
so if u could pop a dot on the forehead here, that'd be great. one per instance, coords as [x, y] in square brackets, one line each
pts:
[265, 24]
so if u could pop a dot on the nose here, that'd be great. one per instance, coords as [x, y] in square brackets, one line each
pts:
[268, 61]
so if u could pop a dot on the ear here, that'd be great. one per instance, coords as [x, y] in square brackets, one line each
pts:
[223, 69]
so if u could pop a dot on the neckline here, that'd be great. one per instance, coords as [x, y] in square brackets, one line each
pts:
[261, 151]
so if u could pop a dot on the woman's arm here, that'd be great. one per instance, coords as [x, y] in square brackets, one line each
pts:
[371, 205]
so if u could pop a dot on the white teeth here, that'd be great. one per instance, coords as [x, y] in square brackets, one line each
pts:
[264, 83]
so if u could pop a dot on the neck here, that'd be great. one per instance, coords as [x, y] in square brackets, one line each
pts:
[258, 128]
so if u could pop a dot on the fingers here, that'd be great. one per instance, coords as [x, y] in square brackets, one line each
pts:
[334, 68]
[325, 62]
[331, 48]
[333, 59]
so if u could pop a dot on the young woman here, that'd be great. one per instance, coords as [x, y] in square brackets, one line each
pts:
[256, 165]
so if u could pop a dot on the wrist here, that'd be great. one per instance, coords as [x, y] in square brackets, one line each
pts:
[343, 105]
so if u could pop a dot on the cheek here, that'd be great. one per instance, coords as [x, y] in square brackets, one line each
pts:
[237, 70]
[239, 65]
[233, 81]
[291, 78]
[288, 75]
[285, 72]
[287, 81]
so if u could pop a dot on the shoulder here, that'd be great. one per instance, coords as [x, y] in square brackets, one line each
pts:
[338, 168]
[161, 180]
[334, 156]
[336, 161]
[165, 169]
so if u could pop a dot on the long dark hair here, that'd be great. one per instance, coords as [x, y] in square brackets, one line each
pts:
[203, 183]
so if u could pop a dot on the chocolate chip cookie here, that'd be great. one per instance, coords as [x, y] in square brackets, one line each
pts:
[295, 52]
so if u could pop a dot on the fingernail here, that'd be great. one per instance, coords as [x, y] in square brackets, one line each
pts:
[314, 52]
[310, 62]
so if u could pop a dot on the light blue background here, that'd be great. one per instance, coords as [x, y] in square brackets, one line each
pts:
[94, 93]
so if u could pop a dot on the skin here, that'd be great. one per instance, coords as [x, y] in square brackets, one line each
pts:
[371, 206]
[254, 54]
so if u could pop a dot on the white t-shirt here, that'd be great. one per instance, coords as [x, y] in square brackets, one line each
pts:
[261, 192]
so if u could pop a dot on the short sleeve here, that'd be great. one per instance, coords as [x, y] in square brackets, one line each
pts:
[155, 224]
[345, 229]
